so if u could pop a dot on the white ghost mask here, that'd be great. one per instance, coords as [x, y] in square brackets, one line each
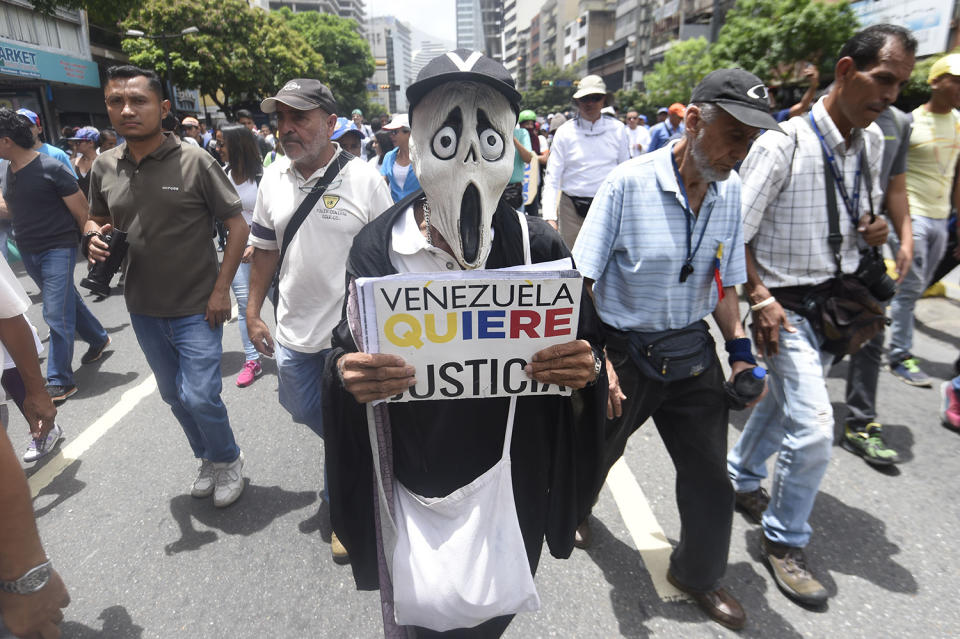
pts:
[461, 148]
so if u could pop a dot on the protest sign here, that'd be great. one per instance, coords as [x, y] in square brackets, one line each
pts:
[469, 334]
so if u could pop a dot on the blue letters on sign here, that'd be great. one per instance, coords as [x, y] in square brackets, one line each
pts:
[490, 324]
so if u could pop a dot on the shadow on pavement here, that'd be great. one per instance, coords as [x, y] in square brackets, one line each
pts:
[842, 534]
[233, 361]
[320, 521]
[117, 624]
[254, 511]
[937, 334]
[64, 486]
[635, 600]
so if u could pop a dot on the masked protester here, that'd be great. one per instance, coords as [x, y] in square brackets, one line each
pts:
[463, 110]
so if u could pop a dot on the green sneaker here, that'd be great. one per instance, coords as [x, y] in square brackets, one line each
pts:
[868, 443]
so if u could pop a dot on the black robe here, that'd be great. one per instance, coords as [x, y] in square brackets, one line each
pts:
[441, 445]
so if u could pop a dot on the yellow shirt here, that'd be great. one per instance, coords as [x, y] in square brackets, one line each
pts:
[932, 162]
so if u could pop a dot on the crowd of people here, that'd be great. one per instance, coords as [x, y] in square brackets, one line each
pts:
[666, 224]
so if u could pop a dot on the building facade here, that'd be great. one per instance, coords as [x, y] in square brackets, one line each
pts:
[46, 66]
[344, 8]
[390, 44]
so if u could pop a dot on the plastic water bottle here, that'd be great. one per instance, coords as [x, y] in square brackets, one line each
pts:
[746, 387]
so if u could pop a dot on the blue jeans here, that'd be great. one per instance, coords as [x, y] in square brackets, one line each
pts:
[929, 245]
[300, 388]
[184, 354]
[241, 286]
[795, 420]
[63, 310]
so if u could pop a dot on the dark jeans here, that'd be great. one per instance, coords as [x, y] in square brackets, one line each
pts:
[862, 376]
[691, 417]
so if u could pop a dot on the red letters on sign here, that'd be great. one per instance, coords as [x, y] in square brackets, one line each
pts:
[557, 319]
[524, 321]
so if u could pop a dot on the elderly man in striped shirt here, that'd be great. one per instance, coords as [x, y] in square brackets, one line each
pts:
[662, 247]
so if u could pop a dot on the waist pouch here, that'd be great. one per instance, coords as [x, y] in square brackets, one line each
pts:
[667, 356]
[841, 310]
[581, 204]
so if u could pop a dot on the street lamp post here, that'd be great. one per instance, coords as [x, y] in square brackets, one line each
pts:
[162, 38]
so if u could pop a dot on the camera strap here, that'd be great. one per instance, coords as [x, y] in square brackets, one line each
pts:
[301, 214]
[834, 237]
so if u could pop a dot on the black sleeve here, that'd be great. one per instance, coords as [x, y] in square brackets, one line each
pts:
[63, 181]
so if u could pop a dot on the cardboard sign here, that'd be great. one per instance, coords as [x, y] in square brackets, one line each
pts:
[469, 334]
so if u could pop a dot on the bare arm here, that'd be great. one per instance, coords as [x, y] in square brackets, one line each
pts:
[218, 306]
[803, 105]
[898, 208]
[263, 266]
[767, 321]
[727, 314]
[525, 155]
[4, 211]
[77, 203]
[37, 614]
[38, 408]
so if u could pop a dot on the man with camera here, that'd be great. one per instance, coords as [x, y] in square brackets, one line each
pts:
[809, 199]
[165, 195]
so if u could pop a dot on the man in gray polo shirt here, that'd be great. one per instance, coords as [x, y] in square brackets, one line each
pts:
[166, 195]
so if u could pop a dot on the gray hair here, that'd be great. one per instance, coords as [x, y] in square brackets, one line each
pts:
[708, 111]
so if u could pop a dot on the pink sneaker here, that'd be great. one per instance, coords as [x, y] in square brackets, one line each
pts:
[251, 370]
[950, 407]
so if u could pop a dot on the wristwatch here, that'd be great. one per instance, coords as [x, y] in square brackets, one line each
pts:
[597, 367]
[32, 581]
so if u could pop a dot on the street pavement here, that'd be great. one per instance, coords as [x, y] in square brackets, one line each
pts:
[142, 559]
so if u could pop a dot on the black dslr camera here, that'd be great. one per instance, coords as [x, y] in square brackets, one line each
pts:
[100, 274]
[872, 272]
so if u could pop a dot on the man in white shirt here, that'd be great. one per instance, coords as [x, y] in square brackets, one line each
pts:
[638, 134]
[583, 152]
[312, 273]
[785, 226]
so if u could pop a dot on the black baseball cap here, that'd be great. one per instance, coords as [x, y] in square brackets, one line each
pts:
[303, 94]
[739, 93]
[468, 66]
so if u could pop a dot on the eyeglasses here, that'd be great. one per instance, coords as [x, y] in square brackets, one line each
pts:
[593, 97]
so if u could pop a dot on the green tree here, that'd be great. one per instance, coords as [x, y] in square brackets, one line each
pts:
[682, 68]
[345, 51]
[374, 110]
[550, 89]
[239, 53]
[767, 37]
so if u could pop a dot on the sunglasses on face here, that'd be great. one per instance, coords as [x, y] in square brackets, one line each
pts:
[595, 97]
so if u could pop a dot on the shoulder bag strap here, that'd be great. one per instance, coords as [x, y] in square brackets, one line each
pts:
[301, 214]
[834, 238]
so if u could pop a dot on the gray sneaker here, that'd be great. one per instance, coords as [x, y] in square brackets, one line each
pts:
[203, 484]
[38, 449]
[228, 482]
[909, 372]
[789, 568]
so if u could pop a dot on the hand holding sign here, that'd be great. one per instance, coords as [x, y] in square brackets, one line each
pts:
[372, 376]
[570, 364]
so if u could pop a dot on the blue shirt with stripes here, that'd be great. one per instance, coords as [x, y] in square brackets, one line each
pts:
[633, 244]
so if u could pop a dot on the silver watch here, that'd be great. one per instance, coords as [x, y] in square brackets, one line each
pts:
[32, 581]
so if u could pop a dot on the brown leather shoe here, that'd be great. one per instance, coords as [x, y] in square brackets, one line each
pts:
[339, 553]
[583, 537]
[718, 604]
[754, 503]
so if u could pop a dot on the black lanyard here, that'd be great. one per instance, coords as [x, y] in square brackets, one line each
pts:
[690, 222]
[851, 204]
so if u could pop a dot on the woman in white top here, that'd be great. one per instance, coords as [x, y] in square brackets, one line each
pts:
[239, 149]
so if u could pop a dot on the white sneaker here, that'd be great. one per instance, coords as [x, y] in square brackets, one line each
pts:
[203, 484]
[229, 482]
[36, 450]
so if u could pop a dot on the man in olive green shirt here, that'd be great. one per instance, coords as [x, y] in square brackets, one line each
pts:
[166, 195]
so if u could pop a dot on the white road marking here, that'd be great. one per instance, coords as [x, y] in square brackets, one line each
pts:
[82, 442]
[646, 533]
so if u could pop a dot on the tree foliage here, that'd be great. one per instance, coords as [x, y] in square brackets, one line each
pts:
[345, 51]
[545, 95]
[240, 52]
[682, 68]
[767, 37]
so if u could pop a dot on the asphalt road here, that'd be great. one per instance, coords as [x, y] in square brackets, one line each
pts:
[142, 559]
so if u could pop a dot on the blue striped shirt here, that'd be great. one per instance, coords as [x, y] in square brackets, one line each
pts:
[634, 242]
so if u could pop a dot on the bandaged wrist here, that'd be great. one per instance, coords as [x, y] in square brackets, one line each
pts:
[740, 350]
